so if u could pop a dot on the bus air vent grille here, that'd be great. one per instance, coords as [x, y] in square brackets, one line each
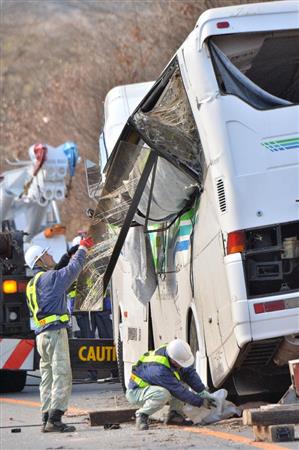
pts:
[221, 195]
[261, 353]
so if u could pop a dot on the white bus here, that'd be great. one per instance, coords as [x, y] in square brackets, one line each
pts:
[120, 103]
[212, 253]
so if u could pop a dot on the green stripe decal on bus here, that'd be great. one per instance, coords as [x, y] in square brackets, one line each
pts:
[281, 144]
[185, 230]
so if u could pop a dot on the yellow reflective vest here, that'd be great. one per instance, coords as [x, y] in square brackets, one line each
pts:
[34, 308]
[151, 357]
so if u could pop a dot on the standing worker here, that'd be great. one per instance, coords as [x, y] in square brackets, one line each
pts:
[158, 377]
[101, 320]
[47, 301]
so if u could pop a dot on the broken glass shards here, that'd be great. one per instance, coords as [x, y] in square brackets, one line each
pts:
[169, 127]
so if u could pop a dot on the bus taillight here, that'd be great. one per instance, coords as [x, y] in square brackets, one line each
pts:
[277, 305]
[236, 242]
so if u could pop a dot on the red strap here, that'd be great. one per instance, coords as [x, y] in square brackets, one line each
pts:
[40, 152]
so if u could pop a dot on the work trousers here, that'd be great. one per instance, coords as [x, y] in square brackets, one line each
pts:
[151, 399]
[55, 369]
[101, 320]
[83, 322]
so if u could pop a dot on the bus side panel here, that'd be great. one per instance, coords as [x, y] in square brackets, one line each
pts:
[130, 317]
[165, 315]
[211, 291]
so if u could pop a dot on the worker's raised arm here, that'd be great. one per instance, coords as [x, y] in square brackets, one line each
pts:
[63, 278]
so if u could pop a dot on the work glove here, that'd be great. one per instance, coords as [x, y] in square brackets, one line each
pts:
[208, 400]
[87, 242]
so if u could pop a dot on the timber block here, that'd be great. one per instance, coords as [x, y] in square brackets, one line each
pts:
[111, 416]
[274, 433]
[272, 415]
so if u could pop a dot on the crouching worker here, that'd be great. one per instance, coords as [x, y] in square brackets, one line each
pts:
[47, 301]
[160, 376]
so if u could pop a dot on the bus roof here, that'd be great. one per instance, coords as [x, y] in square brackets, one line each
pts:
[120, 102]
[254, 17]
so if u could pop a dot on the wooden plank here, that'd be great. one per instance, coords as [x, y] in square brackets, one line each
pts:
[279, 407]
[274, 433]
[245, 416]
[247, 413]
[274, 416]
[111, 416]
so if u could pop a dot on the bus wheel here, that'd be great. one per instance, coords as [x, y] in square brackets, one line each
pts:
[12, 380]
[120, 364]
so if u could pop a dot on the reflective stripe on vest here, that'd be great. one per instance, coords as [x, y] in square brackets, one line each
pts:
[73, 290]
[34, 308]
[151, 357]
[73, 293]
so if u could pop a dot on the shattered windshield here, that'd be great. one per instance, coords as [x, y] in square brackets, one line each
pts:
[111, 220]
[154, 173]
[169, 127]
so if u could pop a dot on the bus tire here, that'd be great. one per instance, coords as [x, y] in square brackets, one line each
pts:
[120, 364]
[12, 380]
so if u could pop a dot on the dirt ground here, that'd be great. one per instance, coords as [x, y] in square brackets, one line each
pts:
[60, 58]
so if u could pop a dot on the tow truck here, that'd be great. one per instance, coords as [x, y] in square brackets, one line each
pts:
[29, 193]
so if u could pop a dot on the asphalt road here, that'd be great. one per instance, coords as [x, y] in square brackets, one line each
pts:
[21, 411]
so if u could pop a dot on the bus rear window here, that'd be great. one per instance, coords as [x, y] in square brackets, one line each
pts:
[261, 68]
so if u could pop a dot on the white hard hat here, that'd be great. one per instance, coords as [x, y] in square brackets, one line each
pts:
[76, 241]
[180, 352]
[34, 253]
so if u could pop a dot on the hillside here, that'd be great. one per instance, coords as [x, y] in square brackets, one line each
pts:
[60, 58]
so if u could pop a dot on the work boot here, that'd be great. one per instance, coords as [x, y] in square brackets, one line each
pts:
[55, 424]
[45, 417]
[92, 376]
[142, 421]
[177, 418]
